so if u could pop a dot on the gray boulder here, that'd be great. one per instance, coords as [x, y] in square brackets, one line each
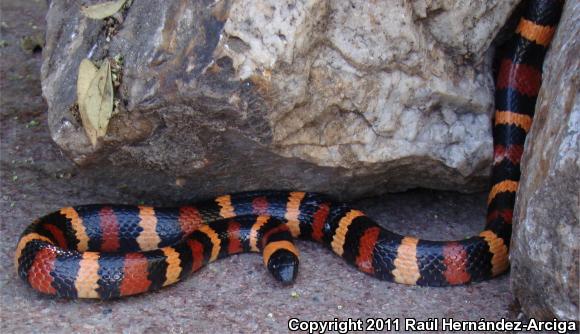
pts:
[346, 97]
[545, 251]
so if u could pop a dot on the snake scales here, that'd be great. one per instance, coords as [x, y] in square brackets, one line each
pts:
[110, 251]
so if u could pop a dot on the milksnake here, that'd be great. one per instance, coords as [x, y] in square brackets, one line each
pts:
[110, 251]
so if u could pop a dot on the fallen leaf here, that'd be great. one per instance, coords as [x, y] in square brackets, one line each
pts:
[102, 10]
[96, 103]
[87, 72]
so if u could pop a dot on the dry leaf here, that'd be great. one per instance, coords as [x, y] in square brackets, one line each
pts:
[96, 103]
[103, 10]
[87, 72]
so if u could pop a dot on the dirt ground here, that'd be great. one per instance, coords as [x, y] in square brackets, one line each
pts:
[233, 295]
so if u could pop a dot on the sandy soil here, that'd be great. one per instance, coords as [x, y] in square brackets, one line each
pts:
[232, 295]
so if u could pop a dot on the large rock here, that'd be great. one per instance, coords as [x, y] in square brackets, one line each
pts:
[545, 251]
[346, 97]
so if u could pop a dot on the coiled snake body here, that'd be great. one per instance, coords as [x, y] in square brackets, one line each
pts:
[109, 251]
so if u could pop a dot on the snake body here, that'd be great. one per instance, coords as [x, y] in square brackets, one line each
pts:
[110, 251]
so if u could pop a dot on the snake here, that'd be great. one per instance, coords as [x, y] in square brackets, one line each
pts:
[112, 251]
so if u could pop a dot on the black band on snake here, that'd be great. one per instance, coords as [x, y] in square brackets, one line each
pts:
[110, 251]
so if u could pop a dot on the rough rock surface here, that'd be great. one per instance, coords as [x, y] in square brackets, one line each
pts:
[545, 252]
[346, 97]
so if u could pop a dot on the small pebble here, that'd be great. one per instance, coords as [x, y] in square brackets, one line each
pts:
[180, 182]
